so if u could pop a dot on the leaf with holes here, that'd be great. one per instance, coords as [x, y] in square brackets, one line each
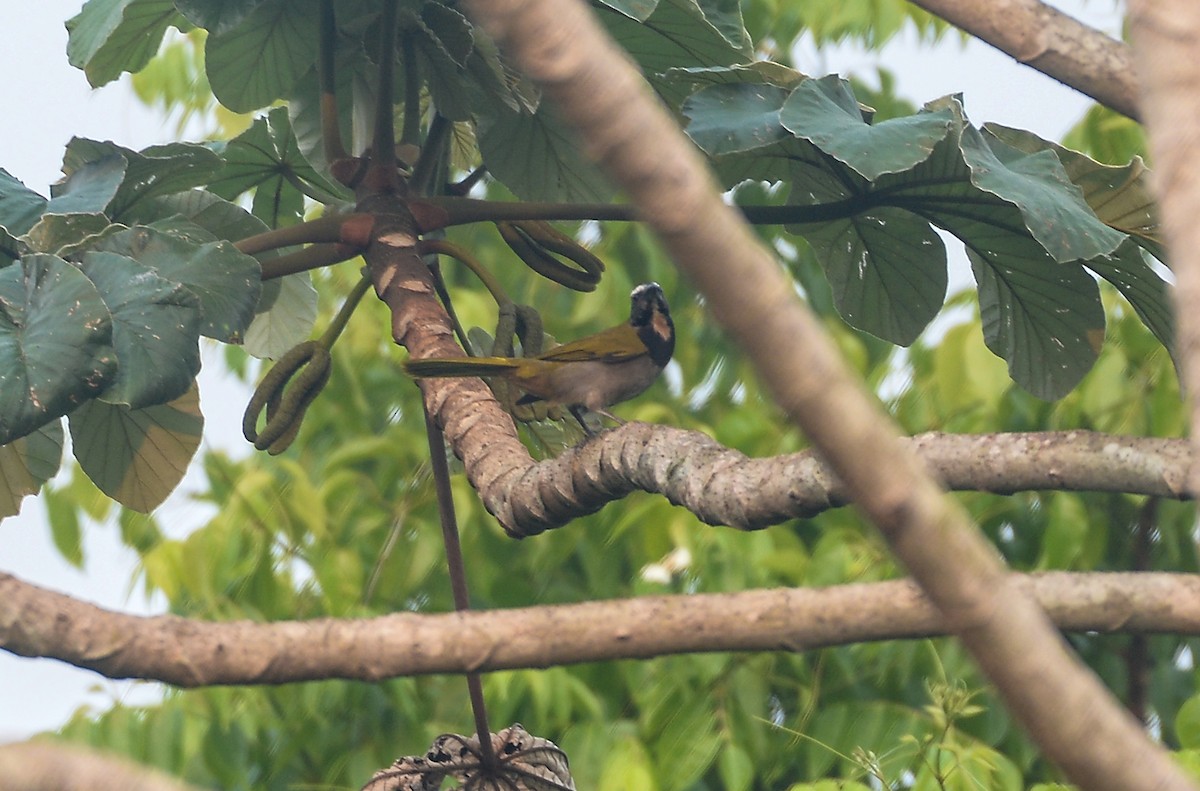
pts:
[1043, 317]
[226, 281]
[153, 171]
[887, 268]
[55, 343]
[137, 456]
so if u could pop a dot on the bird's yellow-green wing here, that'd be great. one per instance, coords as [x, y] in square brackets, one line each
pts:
[612, 345]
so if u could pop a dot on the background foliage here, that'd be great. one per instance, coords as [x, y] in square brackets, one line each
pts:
[344, 523]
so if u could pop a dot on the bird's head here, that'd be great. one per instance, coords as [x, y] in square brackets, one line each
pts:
[650, 316]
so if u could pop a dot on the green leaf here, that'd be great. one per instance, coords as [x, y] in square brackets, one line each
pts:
[20, 207]
[216, 16]
[637, 10]
[825, 113]
[154, 171]
[54, 232]
[537, 157]
[285, 316]
[679, 33]
[63, 516]
[734, 117]
[156, 330]
[137, 456]
[1044, 318]
[1149, 294]
[108, 37]
[887, 268]
[260, 59]
[267, 158]
[1052, 207]
[1187, 723]
[444, 40]
[28, 462]
[226, 282]
[1120, 195]
[221, 218]
[735, 767]
[55, 343]
[89, 187]
[11, 248]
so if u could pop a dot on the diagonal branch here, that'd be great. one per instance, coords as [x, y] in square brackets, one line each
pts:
[1166, 34]
[1052, 42]
[36, 622]
[600, 94]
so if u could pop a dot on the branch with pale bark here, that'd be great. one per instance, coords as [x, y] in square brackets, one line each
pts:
[1046, 39]
[1166, 35]
[36, 622]
[600, 94]
[45, 766]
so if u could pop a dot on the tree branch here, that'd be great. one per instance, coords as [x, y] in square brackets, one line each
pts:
[724, 487]
[36, 622]
[599, 93]
[1166, 35]
[45, 766]
[1052, 42]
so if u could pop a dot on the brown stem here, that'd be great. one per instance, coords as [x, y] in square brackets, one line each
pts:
[382, 176]
[458, 576]
[322, 229]
[312, 257]
[331, 130]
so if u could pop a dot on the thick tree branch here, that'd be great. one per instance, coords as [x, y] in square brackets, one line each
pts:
[45, 766]
[1052, 42]
[1070, 714]
[35, 622]
[724, 487]
[1166, 35]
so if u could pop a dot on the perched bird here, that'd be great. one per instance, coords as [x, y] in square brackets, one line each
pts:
[591, 373]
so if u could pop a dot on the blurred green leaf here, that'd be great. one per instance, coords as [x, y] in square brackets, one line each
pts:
[111, 36]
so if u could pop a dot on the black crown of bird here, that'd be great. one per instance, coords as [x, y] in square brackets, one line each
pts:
[591, 373]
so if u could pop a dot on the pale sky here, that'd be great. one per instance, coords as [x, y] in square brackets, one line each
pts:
[46, 102]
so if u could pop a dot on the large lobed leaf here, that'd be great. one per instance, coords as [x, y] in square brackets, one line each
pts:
[1034, 219]
[55, 343]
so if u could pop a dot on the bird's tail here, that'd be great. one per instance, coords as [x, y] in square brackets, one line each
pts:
[458, 366]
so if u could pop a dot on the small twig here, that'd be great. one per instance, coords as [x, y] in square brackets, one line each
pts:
[322, 229]
[458, 576]
[312, 257]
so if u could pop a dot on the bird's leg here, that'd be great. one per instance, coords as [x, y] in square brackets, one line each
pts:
[580, 412]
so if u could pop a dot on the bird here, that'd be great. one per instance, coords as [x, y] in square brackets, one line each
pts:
[591, 373]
